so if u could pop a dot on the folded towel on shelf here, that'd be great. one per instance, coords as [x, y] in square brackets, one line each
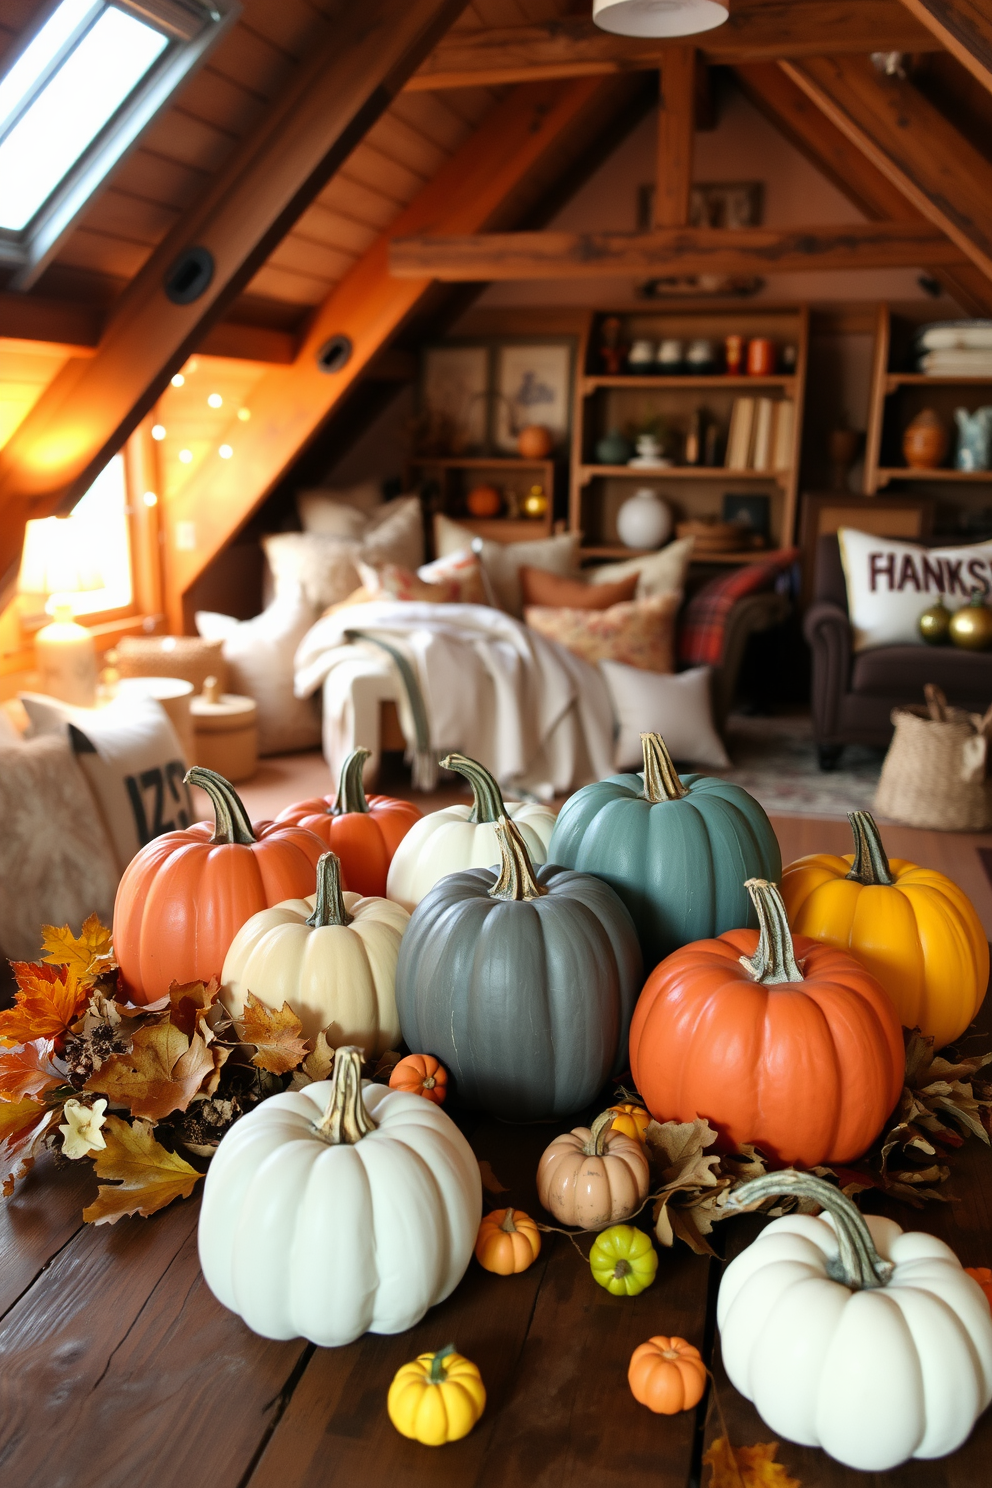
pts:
[957, 362]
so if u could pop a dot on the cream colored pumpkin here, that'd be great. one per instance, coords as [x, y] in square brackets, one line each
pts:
[593, 1178]
[332, 957]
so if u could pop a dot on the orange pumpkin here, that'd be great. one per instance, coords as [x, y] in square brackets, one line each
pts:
[788, 1044]
[535, 442]
[983, 1276]
[421, 1074]
[667, 1375]
[484, 501]
[509, 1241]
[186, 894]
[363, 832]
[632, 1120]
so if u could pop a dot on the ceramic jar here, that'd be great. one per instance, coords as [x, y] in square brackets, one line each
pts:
[644, 520]
[974, 438]
[670, 356]
[760, 357]
[925, 441]
[640, 358]
[613, 449]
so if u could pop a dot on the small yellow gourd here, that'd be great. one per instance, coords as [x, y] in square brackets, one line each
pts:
[437, 1398]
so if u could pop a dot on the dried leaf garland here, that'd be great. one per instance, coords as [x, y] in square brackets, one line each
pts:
[746, 1467]
[89, 954]
[145, 1176]
[276, 1035]
[48, 1000]
[160, 1073]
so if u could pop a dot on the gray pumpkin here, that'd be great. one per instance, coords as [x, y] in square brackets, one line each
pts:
[522, 984]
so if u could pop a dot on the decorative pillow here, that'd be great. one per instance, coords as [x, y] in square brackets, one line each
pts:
[503, 561]
[463, 569]
[56, 862]
[541, 588]
[329, 511]
[639, 633]
[890, 583]
[657, 573]
[390, 581]
[259, 655]
[133, 761]
[676, 706]
[325, 567]
[704, 622]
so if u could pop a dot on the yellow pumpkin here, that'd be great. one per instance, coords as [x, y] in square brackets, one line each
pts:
[911, 927]
[632, 1120]
[437, 1398]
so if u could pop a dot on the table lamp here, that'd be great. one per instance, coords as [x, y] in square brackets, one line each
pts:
[57, 563]
[659, 17]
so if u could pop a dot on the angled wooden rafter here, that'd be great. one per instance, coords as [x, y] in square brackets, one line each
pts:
[756, 30]
[553, 255]
[515, 145]
[963, 28]
[910, 142]
[93, 404]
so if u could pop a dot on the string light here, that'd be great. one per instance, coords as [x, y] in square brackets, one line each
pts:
[178, 380]
[225, 452]
[244, 414]
[185, 456]
[158, 431]
[215, 400]
[150, 498]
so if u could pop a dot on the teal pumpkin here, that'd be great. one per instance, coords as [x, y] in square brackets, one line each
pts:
[677, 849]
[522, 983]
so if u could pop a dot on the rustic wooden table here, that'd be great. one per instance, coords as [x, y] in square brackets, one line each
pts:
[119, 1370]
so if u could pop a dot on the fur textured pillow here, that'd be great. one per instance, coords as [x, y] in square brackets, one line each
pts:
[56, 863]
[640, 633]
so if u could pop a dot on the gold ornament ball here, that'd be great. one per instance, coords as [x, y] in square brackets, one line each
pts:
[935, 624]
[971, 626]
[535, 503]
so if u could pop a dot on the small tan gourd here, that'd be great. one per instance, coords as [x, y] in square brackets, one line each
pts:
[594, 1177]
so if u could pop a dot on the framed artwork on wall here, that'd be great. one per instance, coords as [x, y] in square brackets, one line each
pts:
[533, 385]
[455, 398]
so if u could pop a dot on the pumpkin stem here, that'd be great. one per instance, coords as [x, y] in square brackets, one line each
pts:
[858, 1264]
[599, 1131]
[231, 822]
[870, 866]
[439, 1365]
[661, 779]
[329, 906]
[346, 1119]
[508, 1226]
[487, 805]
[774, 959]
[351, 791]
[516, 878]
[621, 1269]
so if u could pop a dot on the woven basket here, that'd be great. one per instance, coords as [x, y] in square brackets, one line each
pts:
[934, 773]
[189, 657]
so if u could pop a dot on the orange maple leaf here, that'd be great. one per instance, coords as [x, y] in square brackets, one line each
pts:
[28, 1070]
[23, 1126]
[190, 1003]
[90, 953]
[145, 1175]
[276, 1035]
[47, 1001]
[160, 1073]
[746, 1467]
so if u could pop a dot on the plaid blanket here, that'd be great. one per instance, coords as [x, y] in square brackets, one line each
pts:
[704, 620]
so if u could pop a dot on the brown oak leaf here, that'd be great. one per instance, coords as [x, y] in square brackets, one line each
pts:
[28, 1070]
[317, 1065]
[160, 1073]
[47, 1001]
[145, 1176]
[276, 1035]
[189, 1004]
[23, 1127]
[746, 1467]
[89, 954]
[677, 1150]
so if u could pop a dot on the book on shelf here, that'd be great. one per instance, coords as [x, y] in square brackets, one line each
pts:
[761, 449]
[785, 425]
[740, 435]
[760, 434]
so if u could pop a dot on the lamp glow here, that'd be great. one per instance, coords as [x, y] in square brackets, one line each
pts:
[59, 563]
[659, 17]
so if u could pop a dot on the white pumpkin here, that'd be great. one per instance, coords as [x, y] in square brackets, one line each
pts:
[332, 957]
[336, 1210]
[851, 1335]
[460, 837]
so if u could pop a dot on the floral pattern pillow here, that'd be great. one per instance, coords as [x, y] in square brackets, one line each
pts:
[638, 633]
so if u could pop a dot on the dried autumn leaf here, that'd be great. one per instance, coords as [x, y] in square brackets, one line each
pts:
[160, 1073]
[317, 1065]
[276, 1035]
[28, 1070]
[746, 1467]
[385, 1065]
[89, 954]
[23, 1127]
[47, 1001]
[189, 1005]
[677, 1149]
[489, 1180]
[146, 1176]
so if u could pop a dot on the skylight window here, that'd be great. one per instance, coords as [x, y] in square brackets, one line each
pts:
[76, 97]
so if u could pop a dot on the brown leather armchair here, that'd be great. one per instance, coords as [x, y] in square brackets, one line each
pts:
[853, 693]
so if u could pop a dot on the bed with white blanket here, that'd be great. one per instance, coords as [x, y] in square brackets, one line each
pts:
[463, 677]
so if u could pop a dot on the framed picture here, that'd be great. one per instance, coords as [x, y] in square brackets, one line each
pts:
[533, 386]
[455, 398]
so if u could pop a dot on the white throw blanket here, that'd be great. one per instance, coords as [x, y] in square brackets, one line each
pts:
[534, 714]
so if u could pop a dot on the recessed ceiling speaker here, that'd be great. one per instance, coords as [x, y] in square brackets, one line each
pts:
[659, 17]
[189, 276]
[335, 354]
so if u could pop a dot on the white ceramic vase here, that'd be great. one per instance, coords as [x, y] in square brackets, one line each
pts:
[644, 520]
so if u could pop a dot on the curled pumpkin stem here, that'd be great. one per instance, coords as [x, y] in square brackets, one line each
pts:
[351, 791]
[661, 779]
[774, 960]
[346, 1120]
[595, 1146]
[858, 1264]
[870, 866]
[487, 804]
[231, 823]
[516, 879]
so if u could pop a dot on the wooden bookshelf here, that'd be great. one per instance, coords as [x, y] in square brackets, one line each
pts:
[456, 475]
[627, 400]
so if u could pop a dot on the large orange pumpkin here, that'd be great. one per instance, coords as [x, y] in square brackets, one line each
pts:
[186, 894]
[363, 832]
[791, 1045]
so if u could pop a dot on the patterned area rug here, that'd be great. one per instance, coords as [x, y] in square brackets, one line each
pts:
[775, 759]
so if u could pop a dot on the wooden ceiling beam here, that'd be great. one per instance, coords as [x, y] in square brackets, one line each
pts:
[676, 137]
[910, 142]
[753, 250]
[88, 411]
[796, 116]
[519, 144]
[756, 30]
[963, 28]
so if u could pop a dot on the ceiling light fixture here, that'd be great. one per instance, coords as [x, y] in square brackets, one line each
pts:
[659, 17]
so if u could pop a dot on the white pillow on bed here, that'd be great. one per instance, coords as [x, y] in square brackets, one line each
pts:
[324, 567]
[503, 561]
[675, 705]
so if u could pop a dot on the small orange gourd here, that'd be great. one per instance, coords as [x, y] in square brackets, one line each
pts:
[421, 1074]
[632, 1120]
[509, 1241]
[667, 1375]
